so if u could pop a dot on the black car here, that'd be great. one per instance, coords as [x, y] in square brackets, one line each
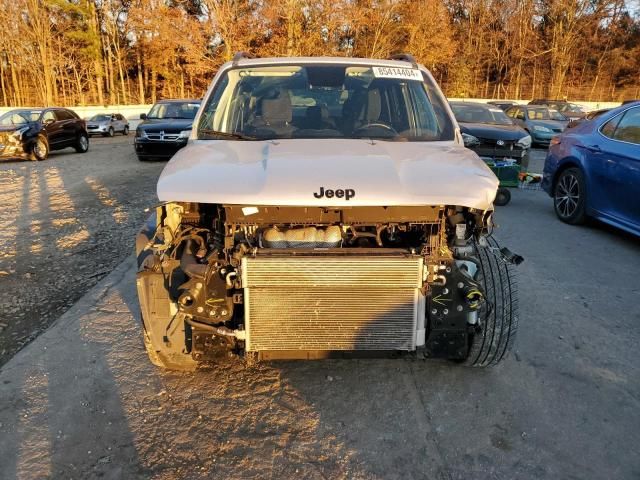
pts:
[488, 131]
[589, 116]
[165, 129]
[503, 104]
[31, 133]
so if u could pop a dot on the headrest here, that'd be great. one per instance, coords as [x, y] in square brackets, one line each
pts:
[278, 109]
[374, 105]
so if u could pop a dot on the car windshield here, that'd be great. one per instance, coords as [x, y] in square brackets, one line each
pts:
[478, 114]
[163, 110]
[544, 114]
[325, 101]
[568, 107]
[100, 118]
[19, 117]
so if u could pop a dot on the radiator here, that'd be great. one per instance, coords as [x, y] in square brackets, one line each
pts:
[331, 302]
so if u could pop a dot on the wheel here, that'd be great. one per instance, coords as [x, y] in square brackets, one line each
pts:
[497, 324]
[40, 148]
[502, 197]
[111, 132]
[82, 144]
[126, 130]
[569, 197]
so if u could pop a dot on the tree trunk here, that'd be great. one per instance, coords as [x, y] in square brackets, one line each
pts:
[140, 79]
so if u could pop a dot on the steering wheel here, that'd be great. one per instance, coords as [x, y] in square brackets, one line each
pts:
[377, 125]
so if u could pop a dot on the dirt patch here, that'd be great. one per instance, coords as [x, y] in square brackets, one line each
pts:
[65, 223]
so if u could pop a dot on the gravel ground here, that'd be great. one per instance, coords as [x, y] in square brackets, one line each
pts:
[65, 223]
[82, 401]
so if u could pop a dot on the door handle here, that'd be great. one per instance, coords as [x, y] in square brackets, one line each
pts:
[593, 148]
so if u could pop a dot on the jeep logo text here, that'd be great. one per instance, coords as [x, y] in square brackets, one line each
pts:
[339, 193]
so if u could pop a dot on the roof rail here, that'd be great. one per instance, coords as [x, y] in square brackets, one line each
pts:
[405, 57]
[239, 56]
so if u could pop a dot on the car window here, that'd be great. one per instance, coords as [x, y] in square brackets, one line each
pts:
[186, 110]
[19, 117]
[543, 113]
[48, 116]
[519, 114]
[326, 101]
[99, 118]
[480, 114]
[63, 115]
[609, 128]
[628, 128]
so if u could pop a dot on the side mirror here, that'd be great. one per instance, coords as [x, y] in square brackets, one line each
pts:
[49, 121]
[143, 116]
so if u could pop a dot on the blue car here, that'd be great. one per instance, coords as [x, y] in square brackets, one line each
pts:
[593, 170]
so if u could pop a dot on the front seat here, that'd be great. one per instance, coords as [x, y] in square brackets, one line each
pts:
[276, 116]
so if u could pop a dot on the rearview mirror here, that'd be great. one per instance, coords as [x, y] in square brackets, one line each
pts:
[143, 116]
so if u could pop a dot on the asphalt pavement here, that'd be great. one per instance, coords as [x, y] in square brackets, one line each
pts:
[82, 400]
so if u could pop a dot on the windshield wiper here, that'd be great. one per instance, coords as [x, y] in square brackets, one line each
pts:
[237, 136]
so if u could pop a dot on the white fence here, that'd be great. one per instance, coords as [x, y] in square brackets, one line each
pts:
[132, 112]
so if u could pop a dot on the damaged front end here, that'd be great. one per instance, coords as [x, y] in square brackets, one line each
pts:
[271, 282]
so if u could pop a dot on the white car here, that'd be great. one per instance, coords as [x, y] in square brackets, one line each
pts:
[324, 207]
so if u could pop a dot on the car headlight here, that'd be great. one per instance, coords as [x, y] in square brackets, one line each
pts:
[540, 128]
[470, 140]
[138, 132]
[524, 142]
[185, 133]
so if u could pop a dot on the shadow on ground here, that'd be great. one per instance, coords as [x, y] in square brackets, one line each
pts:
[82, 401]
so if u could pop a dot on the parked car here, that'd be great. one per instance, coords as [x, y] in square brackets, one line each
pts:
[165, 129]
[324, 206]
[589, 116]
[541, 123]
[488, 131]
[593, 170]
[503, 104]
[108, 124]
[31, 133]
[568, 109]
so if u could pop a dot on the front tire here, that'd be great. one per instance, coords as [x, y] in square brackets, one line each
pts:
[503, 197]
[40, 148]
[498, 317]
[82, 143]
[125, 132]
[569, 197]
[111, 132]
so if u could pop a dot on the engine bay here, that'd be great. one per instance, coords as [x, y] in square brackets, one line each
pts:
[206, 254]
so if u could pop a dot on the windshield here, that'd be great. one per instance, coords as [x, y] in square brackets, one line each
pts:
[567, 107]
[100, 118]
[19, 117]
[479, 114]
[186, 110]
[325, 101]
[544, 114]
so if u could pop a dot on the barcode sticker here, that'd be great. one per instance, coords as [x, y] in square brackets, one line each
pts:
[397, 72]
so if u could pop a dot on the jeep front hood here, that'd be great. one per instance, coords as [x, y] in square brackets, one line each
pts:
[289, 172]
